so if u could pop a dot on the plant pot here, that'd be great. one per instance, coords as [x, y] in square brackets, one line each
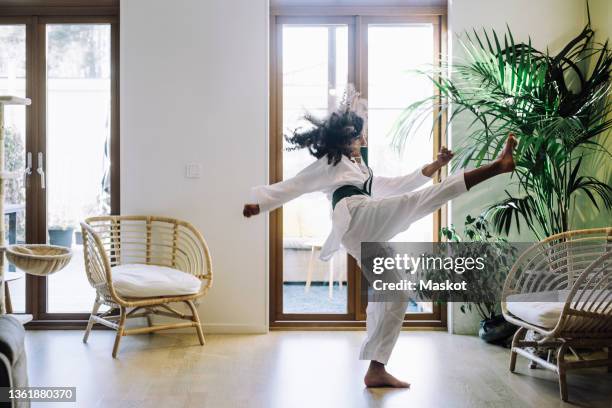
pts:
[496, 330]
[61, 236]
[78, 237]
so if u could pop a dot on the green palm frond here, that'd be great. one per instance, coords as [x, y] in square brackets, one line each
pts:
[559, 106]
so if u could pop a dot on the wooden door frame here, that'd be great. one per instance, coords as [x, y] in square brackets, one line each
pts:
[357, 18]
[36, 228]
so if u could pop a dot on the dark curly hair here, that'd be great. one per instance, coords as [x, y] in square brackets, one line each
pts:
[331, 137]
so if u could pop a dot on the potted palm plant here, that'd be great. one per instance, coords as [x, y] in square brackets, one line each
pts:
[484, 285]
[559, 107]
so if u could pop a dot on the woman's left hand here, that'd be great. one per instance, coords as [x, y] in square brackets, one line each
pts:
[444, 156]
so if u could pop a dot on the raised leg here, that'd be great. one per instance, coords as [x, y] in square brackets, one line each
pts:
[196, 319]
[503, 164]
[562, 371]
[119, 330]
[90, 323]
[518, 336]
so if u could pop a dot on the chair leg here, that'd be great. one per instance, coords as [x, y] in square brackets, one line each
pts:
[309, 273]
[610, 358]
[90, 323]
[331, 279]
[196, 318]
[562, 372]
[518, 336]
[119, 331]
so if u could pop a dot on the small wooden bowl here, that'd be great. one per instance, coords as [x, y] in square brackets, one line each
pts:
[40, 260]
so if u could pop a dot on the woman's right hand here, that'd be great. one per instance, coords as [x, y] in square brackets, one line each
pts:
[250, 210]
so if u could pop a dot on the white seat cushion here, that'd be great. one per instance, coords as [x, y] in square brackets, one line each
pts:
[544, 308]
[141, 281]
[535, 309]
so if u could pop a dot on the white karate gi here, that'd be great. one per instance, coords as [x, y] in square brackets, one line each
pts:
[393, 206]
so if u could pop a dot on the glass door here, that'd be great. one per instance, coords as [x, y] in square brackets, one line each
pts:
[315, 72]
[77, 159]
[312, 60]
[13, 82]
[394, 49]
[68, 138]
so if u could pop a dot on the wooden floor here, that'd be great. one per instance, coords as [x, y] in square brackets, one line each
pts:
[294, 369]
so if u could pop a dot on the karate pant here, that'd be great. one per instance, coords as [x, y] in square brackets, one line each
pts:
[379, 220]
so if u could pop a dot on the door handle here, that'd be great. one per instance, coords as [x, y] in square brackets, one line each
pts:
[28, 170]
[41, 170]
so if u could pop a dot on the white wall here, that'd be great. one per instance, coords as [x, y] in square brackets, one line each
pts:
[549, 23]
[601, 19]
[584, 217]
[194, 88]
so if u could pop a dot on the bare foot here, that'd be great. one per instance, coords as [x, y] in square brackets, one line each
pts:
[377, 376]
[505, 161]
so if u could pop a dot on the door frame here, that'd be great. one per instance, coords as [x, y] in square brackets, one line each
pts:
[35, 212]
[357, 19]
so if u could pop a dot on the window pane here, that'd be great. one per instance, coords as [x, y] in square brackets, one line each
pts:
[13, 82]
[78, 149]
[393, 51]
[315, 73]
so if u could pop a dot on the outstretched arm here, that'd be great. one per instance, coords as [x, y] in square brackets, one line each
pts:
[267, 198]
[444, 156]
[389, 186]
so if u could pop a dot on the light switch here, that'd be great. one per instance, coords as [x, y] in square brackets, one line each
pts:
[193, 170]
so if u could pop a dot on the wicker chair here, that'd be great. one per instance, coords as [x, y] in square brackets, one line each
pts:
[111, 241]
[576, 267]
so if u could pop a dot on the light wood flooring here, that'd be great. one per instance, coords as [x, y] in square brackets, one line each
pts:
[294, 369]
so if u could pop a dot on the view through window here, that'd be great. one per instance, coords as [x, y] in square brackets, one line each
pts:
[394, 53]
[78, 137]
[315, 73]
[13, 82]
[316, 61]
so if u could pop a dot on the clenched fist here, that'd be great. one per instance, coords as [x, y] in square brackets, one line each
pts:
[444, 156]
[250, 210]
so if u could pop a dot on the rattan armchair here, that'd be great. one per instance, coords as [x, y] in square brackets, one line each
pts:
[576, 267]
[110, 241]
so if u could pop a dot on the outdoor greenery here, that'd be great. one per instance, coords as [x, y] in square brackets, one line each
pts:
[14, 161]
[559, 107]
[70, 42]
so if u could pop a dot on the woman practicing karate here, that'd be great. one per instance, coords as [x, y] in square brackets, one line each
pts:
[368, 208]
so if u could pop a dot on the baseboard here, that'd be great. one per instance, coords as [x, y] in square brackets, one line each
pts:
[208, 328]
[234, 329]
[221, 328]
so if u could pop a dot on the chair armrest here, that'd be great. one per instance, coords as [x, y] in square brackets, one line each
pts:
[193, 255]
[97, 265]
